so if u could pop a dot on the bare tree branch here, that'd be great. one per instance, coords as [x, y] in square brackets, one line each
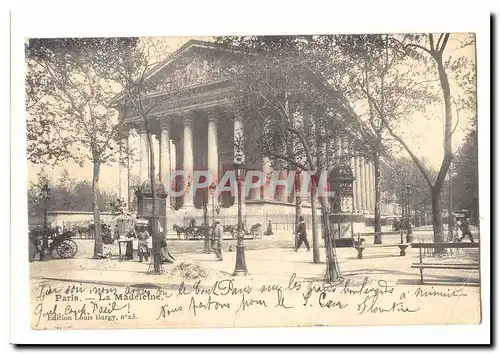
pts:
[414, 157]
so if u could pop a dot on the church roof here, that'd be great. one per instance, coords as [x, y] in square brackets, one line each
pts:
[193, 43]
[184, 50]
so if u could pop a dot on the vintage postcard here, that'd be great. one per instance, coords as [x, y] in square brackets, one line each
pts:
[252, 181]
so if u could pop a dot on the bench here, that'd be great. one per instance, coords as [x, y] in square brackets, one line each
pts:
[402, 248]
[462, 266]
[344, 242]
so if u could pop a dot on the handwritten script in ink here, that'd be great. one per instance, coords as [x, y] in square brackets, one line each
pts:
[97, 305]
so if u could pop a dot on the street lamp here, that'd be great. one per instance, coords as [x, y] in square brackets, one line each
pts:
[240, 267]
[45, 254]
[212, 189]
[403, 206]
[408, 213]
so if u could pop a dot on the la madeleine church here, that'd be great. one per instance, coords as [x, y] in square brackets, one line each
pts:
[195, 130]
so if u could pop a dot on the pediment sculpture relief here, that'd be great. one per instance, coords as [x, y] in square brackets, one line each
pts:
[197, 71]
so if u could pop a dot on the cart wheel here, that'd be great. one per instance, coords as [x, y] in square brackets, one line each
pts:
[256, 234]
[67, 249]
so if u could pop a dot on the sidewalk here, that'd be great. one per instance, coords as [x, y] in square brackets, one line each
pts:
[267, 265]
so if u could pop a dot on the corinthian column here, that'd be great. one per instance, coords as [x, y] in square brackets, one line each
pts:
[239, 154]
[357, 182]
[354, 184]
[143, 156]
[165, 154]
[366, 185]
[188, 161]
[212, 149]
[362, 183]
[267, 171]
[371, 187]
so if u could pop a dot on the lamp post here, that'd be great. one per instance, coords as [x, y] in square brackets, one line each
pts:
[212, 189]
[403, 206]
[240, 267]
[408, 215]
[44, 253]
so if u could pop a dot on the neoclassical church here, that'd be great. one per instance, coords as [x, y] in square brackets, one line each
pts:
[195, 130]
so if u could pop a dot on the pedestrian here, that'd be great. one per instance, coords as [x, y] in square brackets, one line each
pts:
[131, 249]
[269, 231]
[217, 236]
[464, 227]
[142, 246]
[302, 234]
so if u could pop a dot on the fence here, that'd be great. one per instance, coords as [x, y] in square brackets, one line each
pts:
[430, 252]
[279, 222]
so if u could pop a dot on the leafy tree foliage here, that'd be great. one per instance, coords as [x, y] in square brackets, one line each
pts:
[465, 183]
[397, 174]
[70, 112]
[298, 114]
[66, 194]
[381, 82]
[433, 47]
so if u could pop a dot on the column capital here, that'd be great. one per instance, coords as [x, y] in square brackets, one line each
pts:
[165, 122]
[212, 116]
[187, 120]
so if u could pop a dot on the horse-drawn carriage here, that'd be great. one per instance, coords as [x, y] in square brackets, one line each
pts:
[194, 232]
[64, 246]
[255, 231]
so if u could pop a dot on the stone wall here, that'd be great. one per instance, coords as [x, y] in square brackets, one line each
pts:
[68, 219]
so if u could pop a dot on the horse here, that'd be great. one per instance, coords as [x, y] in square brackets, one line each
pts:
[181, 230]
[81, 230]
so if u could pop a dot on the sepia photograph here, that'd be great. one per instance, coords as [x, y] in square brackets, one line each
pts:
[252, 181]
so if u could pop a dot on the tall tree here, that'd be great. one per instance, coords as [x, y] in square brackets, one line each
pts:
[433, 46]
[129, 67]
[263, 76]
[381, 85]
[76, 110]
[296, 117]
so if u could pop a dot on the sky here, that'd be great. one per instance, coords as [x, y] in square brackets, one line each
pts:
[426, 129]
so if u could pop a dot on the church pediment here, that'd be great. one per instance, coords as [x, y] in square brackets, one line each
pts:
[194, 64]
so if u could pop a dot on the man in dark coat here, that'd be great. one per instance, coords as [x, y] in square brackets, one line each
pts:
[302, 234]
[464, 227]
[217, 237]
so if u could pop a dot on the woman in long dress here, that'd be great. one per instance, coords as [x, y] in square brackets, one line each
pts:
[129, 251]
[142, 246]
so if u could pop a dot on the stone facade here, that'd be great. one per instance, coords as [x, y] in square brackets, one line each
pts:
[199, 128]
